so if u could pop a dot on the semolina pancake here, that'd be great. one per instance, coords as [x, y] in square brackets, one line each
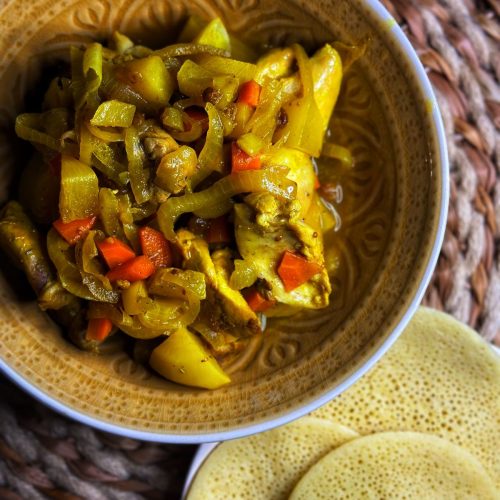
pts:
[439, 378]
[266, 465]
[396, 465]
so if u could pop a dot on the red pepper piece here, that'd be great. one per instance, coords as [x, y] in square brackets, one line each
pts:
[249, 93]
[98, 329]
[155, 246]
[138, 268]
[241, 161]
[74, 230]
[256, 301]
[295, 270]
[115, 252]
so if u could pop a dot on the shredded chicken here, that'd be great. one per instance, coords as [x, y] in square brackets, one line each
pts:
[226, 308]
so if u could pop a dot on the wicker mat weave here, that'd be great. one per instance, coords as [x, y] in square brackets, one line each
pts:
[43, 455]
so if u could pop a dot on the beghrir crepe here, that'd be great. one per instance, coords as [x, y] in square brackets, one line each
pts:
[267, 465]
[439, 378]
[396, 465]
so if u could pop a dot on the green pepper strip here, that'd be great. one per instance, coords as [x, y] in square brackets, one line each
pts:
[127, 219]
[145, 210]
[304, 69]
[88, 144]
[104, 160]
[91, 269]
[56, 121]
[271, 179]
[60, 253]
[225, 66]
[211, 157]
[92, 72]
[216, 210]
[298, 132]
[263, 122]
[177, 286]
[138, 174]
[172, 282]
[77, 82]
[170, 314]
[106, 135]
[189, 49]
[191, 135]
[26, 128]
[109, 210]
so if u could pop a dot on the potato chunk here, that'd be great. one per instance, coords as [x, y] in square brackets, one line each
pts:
[182, 358]
[150, 79]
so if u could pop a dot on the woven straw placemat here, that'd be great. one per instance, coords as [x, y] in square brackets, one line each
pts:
[44, 455]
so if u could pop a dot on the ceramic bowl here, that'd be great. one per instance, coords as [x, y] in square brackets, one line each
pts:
[394, 213]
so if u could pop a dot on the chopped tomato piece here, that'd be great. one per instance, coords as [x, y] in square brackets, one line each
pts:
[138, 268]
[249, 93]
[74, 230]
[155, 246]
[294, 270]
[115, 252]
[98, 329]
[219, 231]
[256, 301]
[241, 161]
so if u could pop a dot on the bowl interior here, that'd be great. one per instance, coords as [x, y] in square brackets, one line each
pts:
[390, 216]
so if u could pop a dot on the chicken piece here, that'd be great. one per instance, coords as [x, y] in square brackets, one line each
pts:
[301, 171]
[225, 309]
[265, 228]
[157, 142]
[175, 169]
[21, 241]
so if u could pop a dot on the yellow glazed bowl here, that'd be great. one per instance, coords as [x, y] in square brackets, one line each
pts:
[393, 213]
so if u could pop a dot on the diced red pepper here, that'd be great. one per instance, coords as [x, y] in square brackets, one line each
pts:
[73, 231]
[138, 268]
[249, 93]
[98, 329]
[241, 161]
[295, 270]
[219, 231]
[256, 301]
[155, 246]
[115, 252]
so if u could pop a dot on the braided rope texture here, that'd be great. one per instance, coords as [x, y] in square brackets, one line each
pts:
[458, 42]
[43, 455]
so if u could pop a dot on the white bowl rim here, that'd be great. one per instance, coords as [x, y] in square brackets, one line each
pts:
[382, 16]
[202, 453]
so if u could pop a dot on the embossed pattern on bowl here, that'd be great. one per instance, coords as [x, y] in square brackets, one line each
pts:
[304, 360]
